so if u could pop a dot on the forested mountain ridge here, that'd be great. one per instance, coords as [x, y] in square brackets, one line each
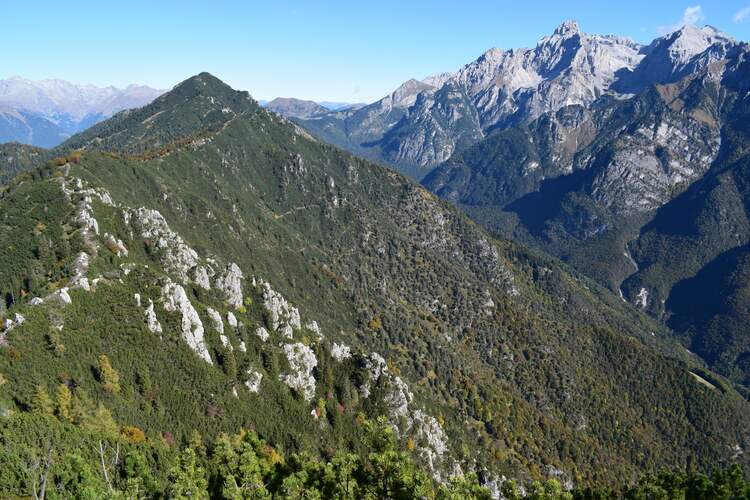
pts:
[246, 275]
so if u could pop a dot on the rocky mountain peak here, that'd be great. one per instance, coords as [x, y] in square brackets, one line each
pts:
[690, 41]
[502, 88]
[568, 28]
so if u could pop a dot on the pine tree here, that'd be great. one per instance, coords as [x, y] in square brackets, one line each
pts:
[188, 480]
[42, 402]
[64, 403]
[196, 443]
[103, 422]
[107, 375]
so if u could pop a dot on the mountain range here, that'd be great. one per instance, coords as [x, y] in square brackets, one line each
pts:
[46, 112]
[189, 276]
[422, 123]
[624, 160]
[202, 265]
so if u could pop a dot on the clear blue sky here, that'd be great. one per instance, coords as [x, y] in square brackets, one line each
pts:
[338, 51]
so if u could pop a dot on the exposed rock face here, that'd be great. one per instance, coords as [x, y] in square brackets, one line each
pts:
[404, 419]
[201, 277]
[232, 319]
[216, 318]
[340, 352]
[302, 361]
[298, 108]
[647, 165]
[71, 107]
[253, 381]
[282, 313]
[262, 333]
[175, 299]
[151, 319]
[85, 217]
[80, 266]
[176, 256]
[230, 282]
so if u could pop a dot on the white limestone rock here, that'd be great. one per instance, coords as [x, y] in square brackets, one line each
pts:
[63, 295]
[36, 301]
[80, 267]
[262, 333]
[216, 318]
[230, 282]
[176, 256]
[232, 319]
[642, 298]
[253, 381]
[302, 361]
[175, 299]
[151, 319]
[416, 423]
[280, 310]
[313, 327]
[376, 367]
[286, 331]
[127, 268]
[225, 342]
[201, 277]
[340, 352]
[85, 216]
[116, 245]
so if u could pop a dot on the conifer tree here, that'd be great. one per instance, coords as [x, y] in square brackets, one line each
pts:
[187, 478]
[42, 402]
[109, 378]
[64, 403]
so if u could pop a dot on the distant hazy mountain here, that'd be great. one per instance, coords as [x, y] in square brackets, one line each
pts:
[422, 123]
[340, 106]
[298, 108]
[44, 113]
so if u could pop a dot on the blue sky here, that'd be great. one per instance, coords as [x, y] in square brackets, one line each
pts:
[338, 51]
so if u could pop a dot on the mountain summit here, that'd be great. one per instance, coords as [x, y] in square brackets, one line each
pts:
[423, 123]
